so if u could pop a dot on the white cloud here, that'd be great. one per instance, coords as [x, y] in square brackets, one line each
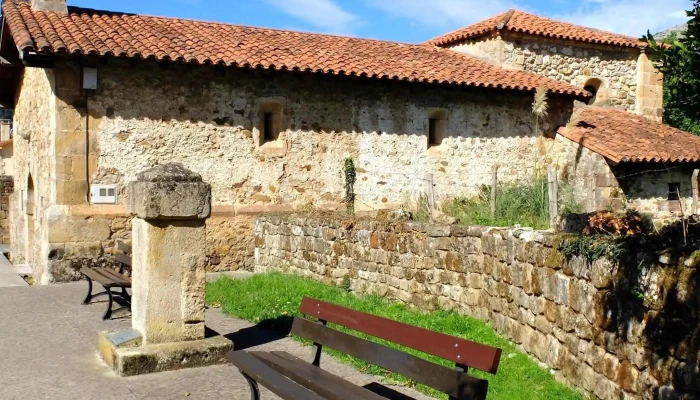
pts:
[323, 14]
[445, 14]
[629, 17]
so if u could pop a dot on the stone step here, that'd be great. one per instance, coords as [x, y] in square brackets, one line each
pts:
[8, 274]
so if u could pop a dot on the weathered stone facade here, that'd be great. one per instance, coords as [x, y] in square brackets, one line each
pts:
[574, 316]
[213, 129]
[209, 120]
[626, 76]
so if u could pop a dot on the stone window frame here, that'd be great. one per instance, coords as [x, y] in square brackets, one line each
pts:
[440, 116]
[276, 106]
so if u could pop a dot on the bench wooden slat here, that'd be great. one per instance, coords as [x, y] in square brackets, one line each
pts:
[314, 378]
[123, 258]
[124, 247]
[462, 351]
[106, 277]
[452, 382]
[96, 275]
[116, 276]
[268, 377]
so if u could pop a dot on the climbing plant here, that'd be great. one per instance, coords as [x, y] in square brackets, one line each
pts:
[350, 176]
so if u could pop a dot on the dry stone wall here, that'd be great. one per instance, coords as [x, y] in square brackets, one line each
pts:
[571, 315]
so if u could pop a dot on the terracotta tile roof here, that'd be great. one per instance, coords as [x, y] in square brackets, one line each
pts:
[126, 35]
[522, 22]
[624, 137]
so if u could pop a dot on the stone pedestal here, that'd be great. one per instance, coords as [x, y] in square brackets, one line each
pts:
[170, 205]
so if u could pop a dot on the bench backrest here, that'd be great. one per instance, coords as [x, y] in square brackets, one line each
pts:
[464, 353]
[123, 255]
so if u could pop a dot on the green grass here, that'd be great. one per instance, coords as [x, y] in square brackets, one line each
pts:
[516, 203]
[519, 203]
[266, 297]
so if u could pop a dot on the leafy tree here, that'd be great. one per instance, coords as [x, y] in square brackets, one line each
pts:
[679, 60]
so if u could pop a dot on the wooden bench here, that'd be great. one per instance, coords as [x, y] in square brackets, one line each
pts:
[292, 378]
[110, 279]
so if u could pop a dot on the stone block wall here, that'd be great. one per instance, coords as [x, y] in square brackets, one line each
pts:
[571, 315]
[7, 185]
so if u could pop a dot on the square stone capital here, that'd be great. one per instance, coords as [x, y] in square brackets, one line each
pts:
[169, 191]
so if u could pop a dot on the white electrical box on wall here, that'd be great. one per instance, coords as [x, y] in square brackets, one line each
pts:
[103, 194]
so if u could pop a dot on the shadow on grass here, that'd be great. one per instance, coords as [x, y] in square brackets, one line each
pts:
[266, 331]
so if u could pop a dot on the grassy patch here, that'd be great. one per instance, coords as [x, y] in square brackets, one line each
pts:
[519, 203]
[264, 298]
[516, 203]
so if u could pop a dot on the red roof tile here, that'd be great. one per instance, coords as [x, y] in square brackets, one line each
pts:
[624, 137]
[522, 22]
[126, 35]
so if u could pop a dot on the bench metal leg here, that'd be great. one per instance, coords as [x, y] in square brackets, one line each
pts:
[254, 391]
[108, 313]
[88, 296]
[126, 296]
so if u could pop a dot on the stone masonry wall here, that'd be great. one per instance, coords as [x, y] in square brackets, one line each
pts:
[561, 60]
[571, 315]
[209, 119]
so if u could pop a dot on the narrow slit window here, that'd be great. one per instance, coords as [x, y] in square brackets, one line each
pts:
[674, 190]
[432, 130]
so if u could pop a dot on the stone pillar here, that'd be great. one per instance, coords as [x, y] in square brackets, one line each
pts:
[170, 205]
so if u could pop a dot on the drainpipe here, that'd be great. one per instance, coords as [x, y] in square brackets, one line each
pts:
[87, 130]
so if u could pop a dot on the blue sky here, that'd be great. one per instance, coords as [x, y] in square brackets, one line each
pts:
[405, 20]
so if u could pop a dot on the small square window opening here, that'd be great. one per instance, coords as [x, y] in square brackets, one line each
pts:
[674, 190]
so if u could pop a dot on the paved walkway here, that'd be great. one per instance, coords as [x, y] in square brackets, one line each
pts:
[48, 350]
